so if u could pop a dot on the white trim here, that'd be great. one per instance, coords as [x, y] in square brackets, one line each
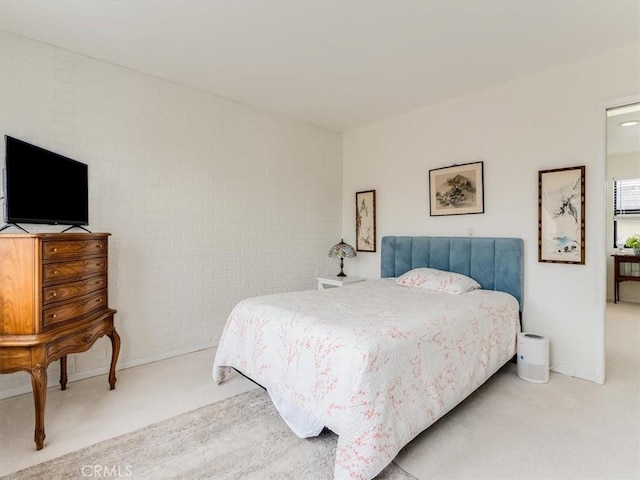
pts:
[627, 299]
[622, 110]
[601, 179]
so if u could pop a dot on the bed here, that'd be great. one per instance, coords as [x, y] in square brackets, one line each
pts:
[378, 362]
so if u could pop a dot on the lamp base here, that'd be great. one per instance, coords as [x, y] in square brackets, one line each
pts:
[341, 274]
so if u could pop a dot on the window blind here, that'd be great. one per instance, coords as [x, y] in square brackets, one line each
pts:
[626, 197]
[626, 209]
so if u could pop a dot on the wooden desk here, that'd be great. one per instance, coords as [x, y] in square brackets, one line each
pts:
[621, 276]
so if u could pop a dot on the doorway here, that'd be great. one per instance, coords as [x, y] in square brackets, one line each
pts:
[622, 167]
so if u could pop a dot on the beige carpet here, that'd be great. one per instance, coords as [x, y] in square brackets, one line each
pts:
[242, 437]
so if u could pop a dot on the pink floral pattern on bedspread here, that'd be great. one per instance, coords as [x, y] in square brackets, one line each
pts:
[376, 362]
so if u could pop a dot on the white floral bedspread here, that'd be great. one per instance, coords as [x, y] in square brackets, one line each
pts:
[376, 362]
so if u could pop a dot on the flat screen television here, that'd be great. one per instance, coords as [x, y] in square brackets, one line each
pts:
[43, 187]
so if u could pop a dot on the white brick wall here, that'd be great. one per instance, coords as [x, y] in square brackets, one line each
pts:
[208, 201]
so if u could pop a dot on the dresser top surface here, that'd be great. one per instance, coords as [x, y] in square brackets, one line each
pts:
[56, 236]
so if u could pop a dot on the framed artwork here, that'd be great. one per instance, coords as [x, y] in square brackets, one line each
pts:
[366, 221]
[456, 190]
[561, 233]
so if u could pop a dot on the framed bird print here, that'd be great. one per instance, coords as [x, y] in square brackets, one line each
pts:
[561, 232]
[366, 221]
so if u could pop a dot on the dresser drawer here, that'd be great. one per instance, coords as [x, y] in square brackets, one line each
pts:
[69, 310]
[78, 342]
[66, 291]
[73, 269]
[52, 250]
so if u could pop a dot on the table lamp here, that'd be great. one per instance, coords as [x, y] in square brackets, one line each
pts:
[342, 250]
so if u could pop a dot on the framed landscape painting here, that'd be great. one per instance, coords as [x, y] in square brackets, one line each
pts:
[456, 190]
[561, 215]
[366, 221]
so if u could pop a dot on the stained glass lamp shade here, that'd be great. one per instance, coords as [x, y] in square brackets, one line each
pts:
[342, 250]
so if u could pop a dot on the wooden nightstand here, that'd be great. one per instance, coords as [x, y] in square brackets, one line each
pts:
[329, 281]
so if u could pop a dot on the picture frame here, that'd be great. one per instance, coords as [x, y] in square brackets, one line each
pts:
[366, 221]
[457, 190]
[561, 215]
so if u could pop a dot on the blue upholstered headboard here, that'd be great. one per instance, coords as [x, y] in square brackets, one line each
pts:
[495, 263]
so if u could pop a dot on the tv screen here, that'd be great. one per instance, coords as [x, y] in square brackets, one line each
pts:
[44, 187]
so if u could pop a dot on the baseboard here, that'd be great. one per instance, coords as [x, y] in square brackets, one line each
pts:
[629, 300]
[73, 377]
[625, 300]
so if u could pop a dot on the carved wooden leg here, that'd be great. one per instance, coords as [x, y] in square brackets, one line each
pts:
[63, 373]
[115, 351]
[39, 385]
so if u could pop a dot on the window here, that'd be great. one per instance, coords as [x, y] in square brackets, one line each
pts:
[626, 209]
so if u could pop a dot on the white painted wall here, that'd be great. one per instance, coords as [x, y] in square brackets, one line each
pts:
[543, 121]
[619, 166]
[208, 201]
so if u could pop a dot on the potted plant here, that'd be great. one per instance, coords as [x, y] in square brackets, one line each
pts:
[634, 242]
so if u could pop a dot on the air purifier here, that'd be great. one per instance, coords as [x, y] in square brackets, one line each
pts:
[533, 358]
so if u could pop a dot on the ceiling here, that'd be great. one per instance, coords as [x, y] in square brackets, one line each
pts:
[622, 140]
[336, 64]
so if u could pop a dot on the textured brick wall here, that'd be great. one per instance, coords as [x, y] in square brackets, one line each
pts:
[208, 201]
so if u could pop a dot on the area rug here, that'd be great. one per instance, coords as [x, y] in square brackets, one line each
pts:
[239, 438]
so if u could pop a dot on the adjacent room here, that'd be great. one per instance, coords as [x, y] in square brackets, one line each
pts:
[320, 239]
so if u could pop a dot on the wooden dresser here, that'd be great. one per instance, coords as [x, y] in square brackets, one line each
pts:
[53, 302]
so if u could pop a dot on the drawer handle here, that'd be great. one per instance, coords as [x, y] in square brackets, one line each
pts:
[55, 272]
[54, 294]
[100, 265]
[86, 338]
[55, 249]
[99, 245]
[99, 300]
[54, 316]
[98, 282]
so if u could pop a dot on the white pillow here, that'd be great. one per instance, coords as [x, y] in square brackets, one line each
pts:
[439, 280]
